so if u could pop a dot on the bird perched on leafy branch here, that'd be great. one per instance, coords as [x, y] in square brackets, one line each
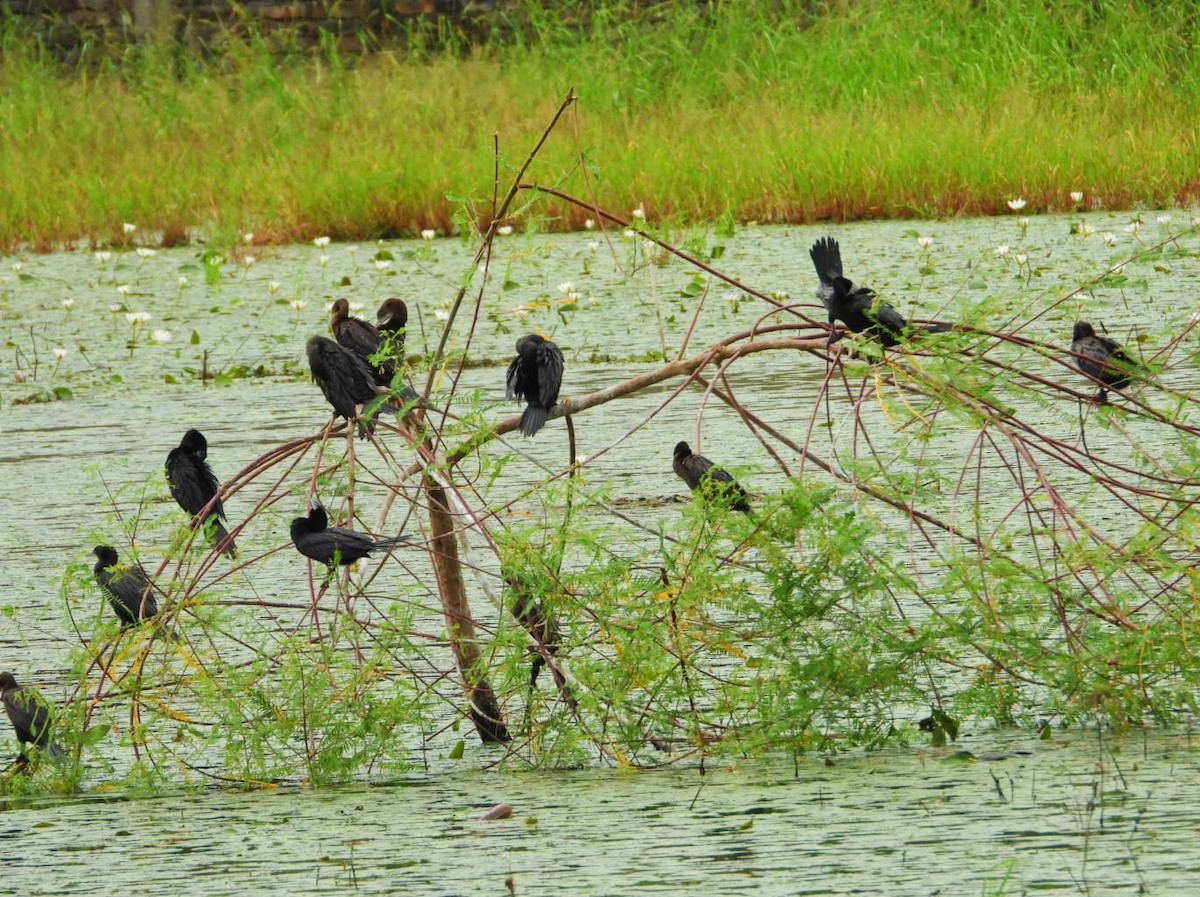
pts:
[194, 486]
[332, 545]
[1102, 359]
[710, 481]
[363, 339]
[344, 377]
[535, 375]
[856, 307]
[127, 587]
[392, 322]
[29, 714]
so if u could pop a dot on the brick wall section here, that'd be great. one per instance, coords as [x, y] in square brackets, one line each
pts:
[66, 26]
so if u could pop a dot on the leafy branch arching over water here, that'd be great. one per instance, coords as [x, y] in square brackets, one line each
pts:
[955, 526]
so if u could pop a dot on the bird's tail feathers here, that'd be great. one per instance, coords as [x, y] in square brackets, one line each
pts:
[937, 327]
[222, 539]
[533, 418]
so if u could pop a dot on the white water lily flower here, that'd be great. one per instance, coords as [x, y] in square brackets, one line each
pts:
[629, 234]
[1023, 222]
[1163, 219]
[1133, 227]
[639, 212]
[298, 304]
[17, 266]
[382, 264]
[249, 260]
[68, 304]
[428, 234]
[1002, 250]
[128, 228]
[273, 287]
[441, 314]
[103, 256]
[137, 317]
[924, 242]
[146, 252]
[115, 307]
[324, 260]
[163, 336]
[504, 230]
[352, 248]
[593, 246]
[781, 295]
[589, 224]
[183, 281]
[248, 238]
[1016, 204]
[320, 242]
[566, 287]
[1086, 229]
[1022, 258]
[123, 289]
[60, 353]
[1076, 196]
[356, 306]
[1108, 238]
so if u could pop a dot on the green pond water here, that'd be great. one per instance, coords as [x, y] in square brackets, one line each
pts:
[1073, 814]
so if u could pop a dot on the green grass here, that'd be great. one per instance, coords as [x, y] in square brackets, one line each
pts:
[781, 114]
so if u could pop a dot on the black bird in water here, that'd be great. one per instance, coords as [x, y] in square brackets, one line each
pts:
[129, 590]
[856, 307]
[535, 375]
[194, 485]
[1102, 359]
[363, 339]
[345, 379]
[316, 539]
[712, 482]
[29, 714]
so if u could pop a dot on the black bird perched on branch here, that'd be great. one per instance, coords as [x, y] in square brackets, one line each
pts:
[194, 485]
[1102, 359]
[345, 379]
[29, 714]
[362, 338]
[330, 545]
[128, 588]
[531, 613]
[536, 376]
[392, 321]
[856, 307]
[711, 481]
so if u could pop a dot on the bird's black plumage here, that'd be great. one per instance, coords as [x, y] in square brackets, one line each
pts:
[535, 375]
[316, 539]
[856, 307]
[710, 481]
[345, 379]
[392, 322]
[826, 256]
[532, 614]
[363, 339]
[1101, 358]
[194, 485]
[127, 587]
[29, 714]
